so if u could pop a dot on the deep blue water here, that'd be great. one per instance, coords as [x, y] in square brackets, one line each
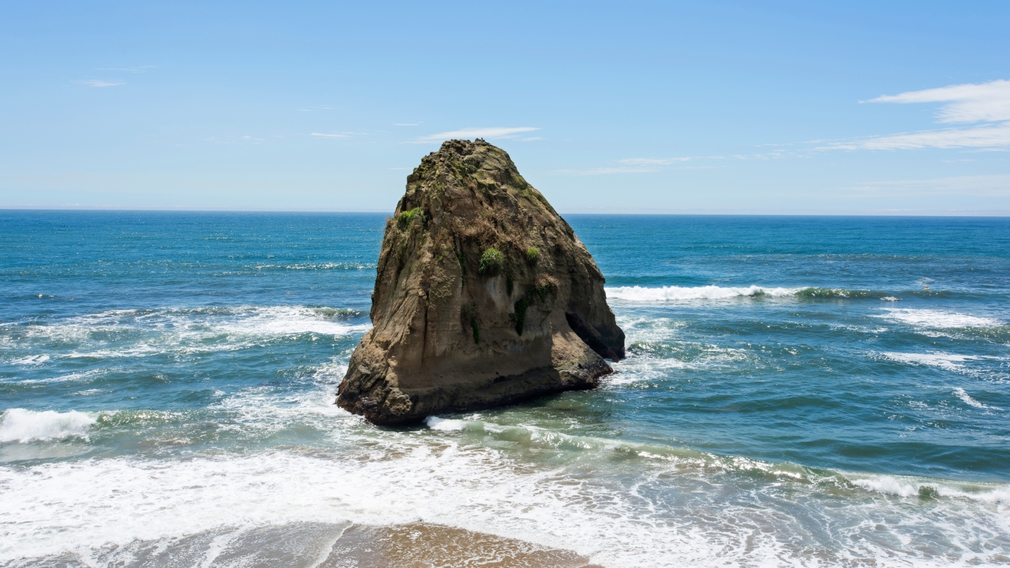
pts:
[798, 390]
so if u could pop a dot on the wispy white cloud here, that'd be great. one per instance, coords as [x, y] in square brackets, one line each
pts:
[960, 104]
[100, 83]
[983, 185]
[467, 133]
[988, 136]
[332, 134]
[986, 102]
[407, 124]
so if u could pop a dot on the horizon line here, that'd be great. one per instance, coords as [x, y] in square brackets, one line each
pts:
[971, 214]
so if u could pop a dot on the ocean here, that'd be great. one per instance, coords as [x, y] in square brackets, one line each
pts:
[798, 391]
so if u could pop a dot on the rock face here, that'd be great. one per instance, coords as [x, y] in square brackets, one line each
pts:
[484, 296]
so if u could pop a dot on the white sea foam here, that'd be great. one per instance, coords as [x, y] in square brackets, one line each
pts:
[141, 333]
[264, 410]
[287, 320]
[317, 266]
[53, 507]
[938, 319]
[888, 484]
[967, 399]
[21, 425]
[444, 424]
[81, 376]
[87, 392]
[650, 329]
[944, 361]
[687, 293]
[656, 352]
[30, 360]
[642, 369]
[911, 486]
[638, 512]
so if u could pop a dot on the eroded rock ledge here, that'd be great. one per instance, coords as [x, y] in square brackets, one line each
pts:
[484, 296]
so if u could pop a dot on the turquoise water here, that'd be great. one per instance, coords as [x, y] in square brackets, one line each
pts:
[802, 391]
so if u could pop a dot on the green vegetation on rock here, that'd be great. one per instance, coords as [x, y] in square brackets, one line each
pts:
[491, 262]
[407, 217]
[533, 255]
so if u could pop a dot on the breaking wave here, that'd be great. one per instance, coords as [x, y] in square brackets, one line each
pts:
[684, 293]
[146, 332]
[463, 472]
[938, 319]
[696, 462]
[24, 426]
[924, 487]
[688, 293]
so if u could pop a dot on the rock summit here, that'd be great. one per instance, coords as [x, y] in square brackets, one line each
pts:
[483, 296]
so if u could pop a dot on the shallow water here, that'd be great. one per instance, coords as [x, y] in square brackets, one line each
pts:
[805, 391]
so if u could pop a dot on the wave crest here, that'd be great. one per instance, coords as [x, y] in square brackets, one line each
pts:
[927, 488]
[24, 426]
[938, 319]
[151, 332]
[685, 293]
[842, 293]
[687, 461]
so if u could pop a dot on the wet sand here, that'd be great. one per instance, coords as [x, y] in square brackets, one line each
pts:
[321, 545]
[423, 545]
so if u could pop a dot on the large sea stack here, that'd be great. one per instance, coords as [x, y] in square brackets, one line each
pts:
[484, 296]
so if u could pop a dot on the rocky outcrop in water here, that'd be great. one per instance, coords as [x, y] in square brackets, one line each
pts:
[484, 296]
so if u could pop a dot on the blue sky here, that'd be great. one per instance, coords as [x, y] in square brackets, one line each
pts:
[638, 107]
